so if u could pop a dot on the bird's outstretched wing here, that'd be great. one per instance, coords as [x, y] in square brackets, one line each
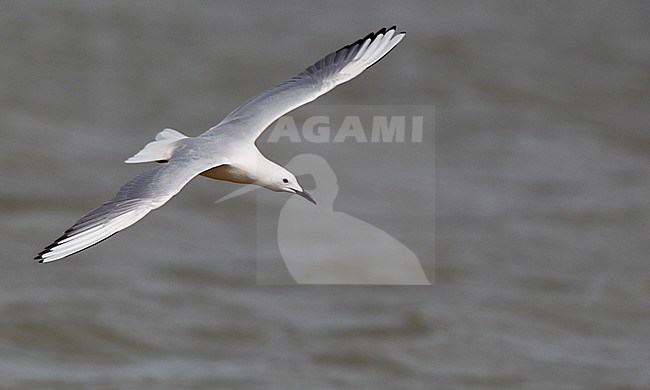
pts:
[250, 119]
[147, 191]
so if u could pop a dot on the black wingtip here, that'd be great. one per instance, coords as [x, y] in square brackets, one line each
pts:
[371, 36]
[394, 28]
[49, 248]
[39, 257]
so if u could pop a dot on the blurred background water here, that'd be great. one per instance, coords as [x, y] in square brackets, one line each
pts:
[541, 198]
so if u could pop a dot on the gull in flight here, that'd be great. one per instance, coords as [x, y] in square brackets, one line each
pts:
[227, 151]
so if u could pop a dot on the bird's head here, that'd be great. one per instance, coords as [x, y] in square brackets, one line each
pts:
[281, 180]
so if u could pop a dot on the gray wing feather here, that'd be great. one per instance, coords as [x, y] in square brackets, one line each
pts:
[147, 191]
[251, 118]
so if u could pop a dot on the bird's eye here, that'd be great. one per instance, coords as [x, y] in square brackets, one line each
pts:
[285, 180]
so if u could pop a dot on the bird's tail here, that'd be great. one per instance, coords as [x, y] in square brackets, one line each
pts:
[159, 150]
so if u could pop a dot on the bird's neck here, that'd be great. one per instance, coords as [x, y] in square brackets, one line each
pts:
[256, 168]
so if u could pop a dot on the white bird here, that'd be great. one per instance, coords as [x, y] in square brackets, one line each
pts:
[227, 151]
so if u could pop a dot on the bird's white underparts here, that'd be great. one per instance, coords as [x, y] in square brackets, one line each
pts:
[226, 151]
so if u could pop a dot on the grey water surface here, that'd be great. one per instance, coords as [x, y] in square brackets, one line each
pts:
[536, 174]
